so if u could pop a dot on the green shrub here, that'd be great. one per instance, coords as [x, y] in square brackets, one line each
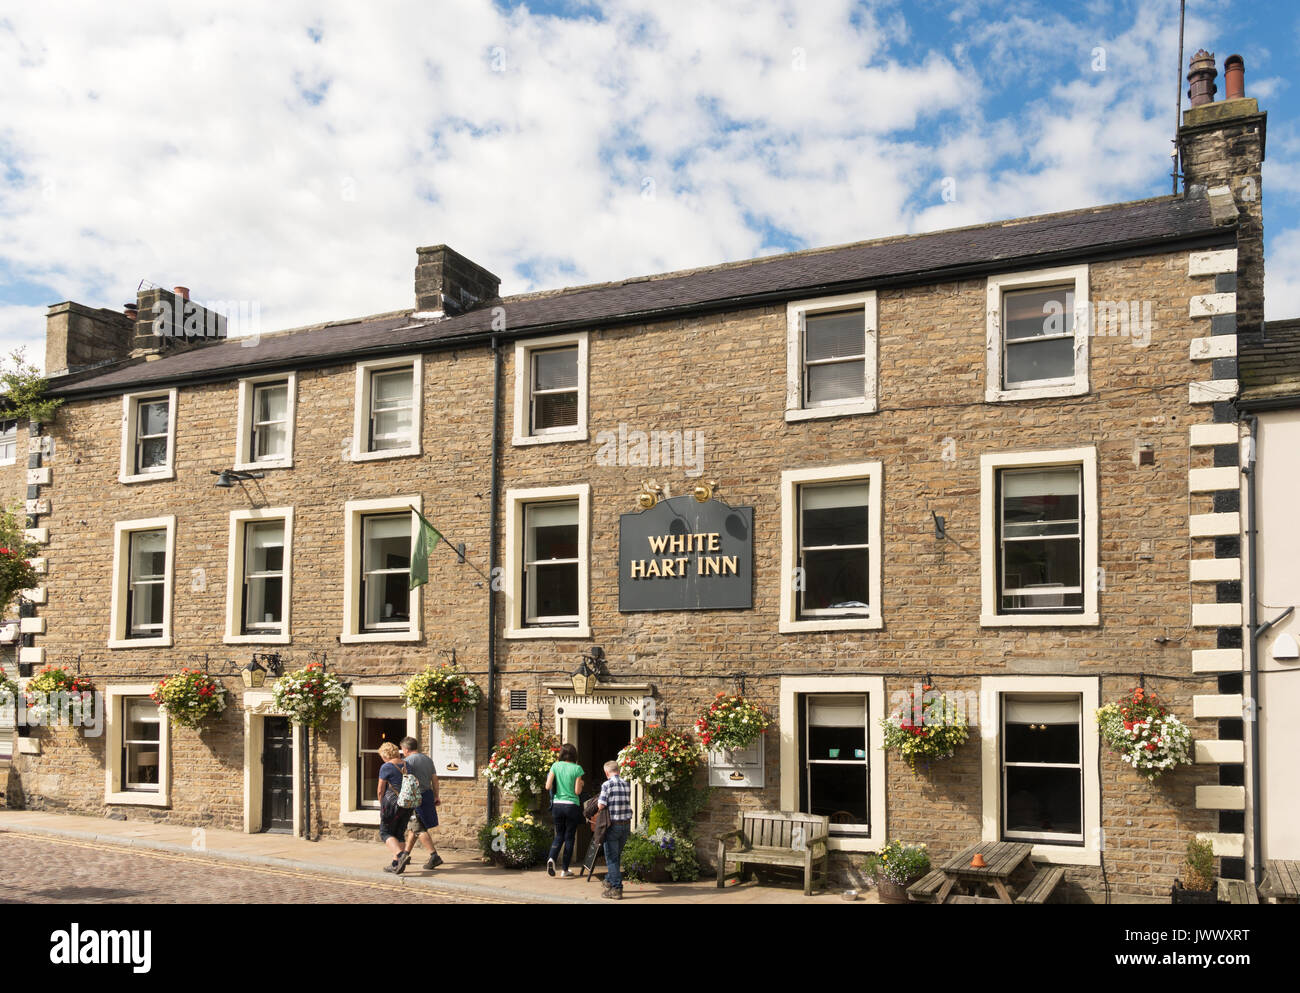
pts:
[515, 842]
[641, 851]
[899, 863]
[1198, 869]
[659, 820]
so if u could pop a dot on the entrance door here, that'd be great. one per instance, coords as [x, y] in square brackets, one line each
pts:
[277, 775]
[598, 742]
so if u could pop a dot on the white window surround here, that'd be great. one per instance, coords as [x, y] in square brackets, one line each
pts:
[795, 312]
[990, 464]
[118, 621]
[9, 435]
[258, 705]
[997, 286]
[244, 438]
[523, 389]
[130, 410]
[361, 408]
[791, 480]
[992, 688]
[874, 686]
[350, 813]
[354, 510]
[235, 577]
[114, 727]
[516, 500]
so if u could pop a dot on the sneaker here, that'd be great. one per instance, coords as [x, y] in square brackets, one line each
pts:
[391, 867]
[550, 867]
[613, 893]
[435, 860]
[399, 866]
[565, 874]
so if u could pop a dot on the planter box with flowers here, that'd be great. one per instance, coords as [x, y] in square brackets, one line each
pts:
[926, 729]
[189, 697]
[445, 693]
[516, 841]
[896, 867]
[1141, 730]
[310, 696]
[519, 764]
[731, 722]
[55, 694]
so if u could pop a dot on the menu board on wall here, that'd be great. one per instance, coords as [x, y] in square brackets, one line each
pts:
[453, 753]
[738, 767]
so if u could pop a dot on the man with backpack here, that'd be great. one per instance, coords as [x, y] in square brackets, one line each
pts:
[421, 767]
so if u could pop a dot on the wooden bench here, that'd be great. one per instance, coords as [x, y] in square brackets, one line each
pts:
[1042, 885]
[783, 838]
[1237, 891]
[927, 887]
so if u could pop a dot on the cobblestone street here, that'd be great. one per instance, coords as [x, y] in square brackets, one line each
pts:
[55, 871]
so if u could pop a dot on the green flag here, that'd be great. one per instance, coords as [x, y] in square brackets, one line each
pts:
[424, 546]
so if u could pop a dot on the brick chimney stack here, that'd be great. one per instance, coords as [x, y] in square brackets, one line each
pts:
[447, 283]
[1221, 144]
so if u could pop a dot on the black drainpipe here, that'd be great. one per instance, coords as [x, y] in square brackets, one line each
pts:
[1257, 843]
[492, 564]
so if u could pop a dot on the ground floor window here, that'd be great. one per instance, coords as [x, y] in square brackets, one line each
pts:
[137, 745]
[141, 745]
[379, 720]
[834, 761]
[1042, 770]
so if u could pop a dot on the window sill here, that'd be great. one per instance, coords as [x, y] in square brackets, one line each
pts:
[387, 453]
[832, 624]
[140, 642]
[139, 799]
[148, 477]
[259, 466]
[1039, 620]
[258, 639]
[366, 818]
[1065, 854]
[1036, 392]
[832, 410]
[352, 638]
[844, 843]
[521, 634]
[577, 434]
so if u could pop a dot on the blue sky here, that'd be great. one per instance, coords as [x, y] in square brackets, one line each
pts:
[295, 156]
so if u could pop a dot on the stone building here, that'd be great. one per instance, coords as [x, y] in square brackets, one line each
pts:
[999, 460]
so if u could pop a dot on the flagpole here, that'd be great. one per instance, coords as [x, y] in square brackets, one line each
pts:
[465, 559]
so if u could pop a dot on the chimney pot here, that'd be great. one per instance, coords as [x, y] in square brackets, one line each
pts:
[1201, 78]
[131, 310]
[182, 291]
[1234, 77]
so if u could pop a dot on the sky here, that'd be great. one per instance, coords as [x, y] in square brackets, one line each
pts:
[289, 158]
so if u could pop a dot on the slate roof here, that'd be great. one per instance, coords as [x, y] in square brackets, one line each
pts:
[1117, 229]
[1269, 366]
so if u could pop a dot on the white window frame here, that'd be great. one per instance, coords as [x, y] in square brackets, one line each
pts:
[873, 474]
[992, 689]
[354, 511]
[361, 412]
[130, 419]
[791, 687]
[244, 450]
[796, 312]
[349, 728]
[118, 620]
[994, 392]
[523, 435]
[115, 791]
[3, 437]
[235, 560]
[516, 501]
[990, 465]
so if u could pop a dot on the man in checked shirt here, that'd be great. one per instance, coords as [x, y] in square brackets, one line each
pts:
[616, 794]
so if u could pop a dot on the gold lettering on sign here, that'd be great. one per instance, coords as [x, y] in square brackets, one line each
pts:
[676, 567]
[657, 543]
[637, 567]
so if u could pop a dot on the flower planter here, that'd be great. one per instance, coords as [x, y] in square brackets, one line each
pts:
[658, 873]
[890, 892]
[1178, 894]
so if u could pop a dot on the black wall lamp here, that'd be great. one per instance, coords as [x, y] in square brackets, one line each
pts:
[586, 677]
[254, 674]
[940, 527]
[227, 478]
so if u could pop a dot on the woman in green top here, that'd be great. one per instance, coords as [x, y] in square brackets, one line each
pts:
[564, 783]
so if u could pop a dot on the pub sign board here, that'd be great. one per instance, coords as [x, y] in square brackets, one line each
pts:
[685, 555]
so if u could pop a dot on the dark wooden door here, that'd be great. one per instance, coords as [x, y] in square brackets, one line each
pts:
[599, 741]
[277, 775]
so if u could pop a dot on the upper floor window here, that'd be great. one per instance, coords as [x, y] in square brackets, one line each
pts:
[8, 442]
[1038, 538]
[1037, 334]
[388, 409]
[547, 562]
[148, 436]
[378, 602]
[551, 389]
[258, 587]
[143, 565]
[266, 422]
[831, 357]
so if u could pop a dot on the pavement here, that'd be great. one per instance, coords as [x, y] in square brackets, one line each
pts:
[464, 872]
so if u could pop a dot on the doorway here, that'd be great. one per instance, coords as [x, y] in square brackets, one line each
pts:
[277, 775]
[598, 741]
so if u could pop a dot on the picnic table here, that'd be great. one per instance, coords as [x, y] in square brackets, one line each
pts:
[1002, 860]
[1281, 880]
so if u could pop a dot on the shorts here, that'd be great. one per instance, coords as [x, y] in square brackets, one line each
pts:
[427, 812]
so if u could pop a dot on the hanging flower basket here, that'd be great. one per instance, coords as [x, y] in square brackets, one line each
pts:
[55, 693]
[446, 694]
[519, 764]
[731, 722]
[660, 758]
[310, 696]
[925, 729]
[16, 552]
[1142, 731]
[8, 689]
[189, 697]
